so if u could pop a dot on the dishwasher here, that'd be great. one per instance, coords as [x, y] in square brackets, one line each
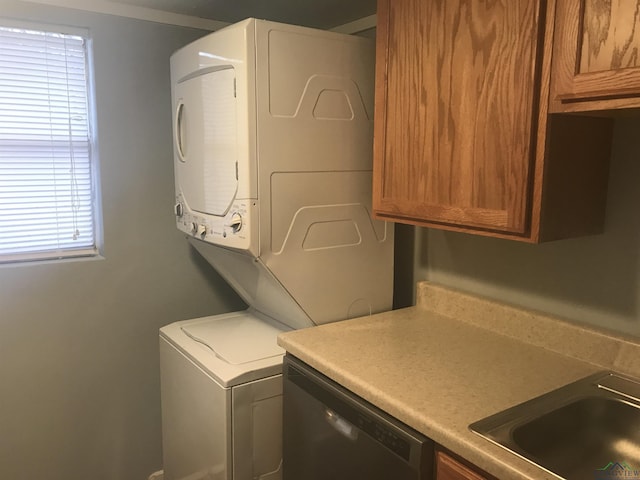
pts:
[330, 433]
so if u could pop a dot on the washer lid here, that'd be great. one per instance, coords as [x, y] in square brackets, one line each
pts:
[236, 339]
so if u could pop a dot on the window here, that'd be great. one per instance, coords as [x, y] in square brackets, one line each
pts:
[48, 188]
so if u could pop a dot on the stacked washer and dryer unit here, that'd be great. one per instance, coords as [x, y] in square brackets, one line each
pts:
[273, 128]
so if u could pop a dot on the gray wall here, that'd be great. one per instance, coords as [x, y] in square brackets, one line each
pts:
[594, 279]
[79, 380]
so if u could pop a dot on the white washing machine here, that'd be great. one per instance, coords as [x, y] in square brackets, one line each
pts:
[222, 398]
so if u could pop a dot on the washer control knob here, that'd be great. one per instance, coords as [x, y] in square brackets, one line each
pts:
[201, 230]
[236, 222]
[194, 227]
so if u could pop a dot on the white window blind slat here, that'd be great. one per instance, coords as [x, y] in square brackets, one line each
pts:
[46, 170]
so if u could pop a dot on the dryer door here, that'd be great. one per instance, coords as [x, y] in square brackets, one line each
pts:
[205, 139]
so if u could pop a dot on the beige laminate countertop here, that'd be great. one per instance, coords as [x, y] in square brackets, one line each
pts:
[439, 369]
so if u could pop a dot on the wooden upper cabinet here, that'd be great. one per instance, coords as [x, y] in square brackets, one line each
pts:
[460, 79]
[462, 131]
[596, 56]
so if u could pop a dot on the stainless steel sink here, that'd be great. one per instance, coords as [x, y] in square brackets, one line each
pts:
[589, 429]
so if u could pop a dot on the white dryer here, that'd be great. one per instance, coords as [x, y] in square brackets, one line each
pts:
[273, 140]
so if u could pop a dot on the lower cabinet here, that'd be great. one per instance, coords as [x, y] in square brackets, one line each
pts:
[449, 468]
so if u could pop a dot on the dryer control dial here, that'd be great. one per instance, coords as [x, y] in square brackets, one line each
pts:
[236, 222]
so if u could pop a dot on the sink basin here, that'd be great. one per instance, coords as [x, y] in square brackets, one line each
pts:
[589, 429]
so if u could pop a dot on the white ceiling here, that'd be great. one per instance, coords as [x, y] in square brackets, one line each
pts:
[311, 13]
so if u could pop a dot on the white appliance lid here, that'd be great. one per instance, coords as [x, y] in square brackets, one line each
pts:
[236, 339]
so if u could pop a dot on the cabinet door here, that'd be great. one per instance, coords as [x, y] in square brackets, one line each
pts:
[456, 110]
[596, 55]
[448, 468]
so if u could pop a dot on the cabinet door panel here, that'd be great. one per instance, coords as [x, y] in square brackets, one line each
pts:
[456, 85]
[596, 54]
[611, 35]
[447, 468]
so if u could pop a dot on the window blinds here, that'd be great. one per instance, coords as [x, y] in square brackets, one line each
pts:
[46, 185]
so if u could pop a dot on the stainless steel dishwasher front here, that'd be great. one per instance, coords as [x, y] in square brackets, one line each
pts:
[332, 434]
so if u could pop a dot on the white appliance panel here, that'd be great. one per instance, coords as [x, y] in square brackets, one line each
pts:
[257, 423]
[206, 141]
[255, 283]
[321, 233]
[196, 420]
